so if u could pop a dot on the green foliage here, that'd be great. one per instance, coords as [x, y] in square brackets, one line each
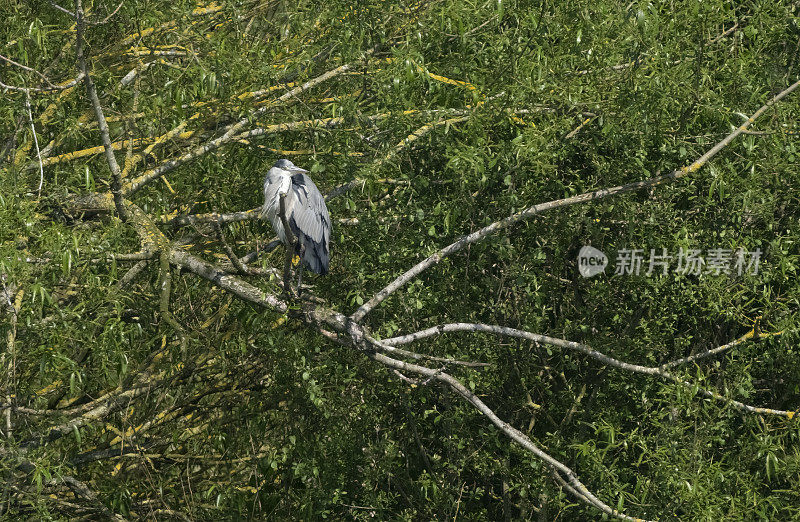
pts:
[269, 421]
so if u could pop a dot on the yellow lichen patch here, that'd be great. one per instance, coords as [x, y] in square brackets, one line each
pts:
[147, 32]
[50, 387]
[212, 7]
[51, 109]
[277, 322]
[447, 80]
[169, 187]
[117, 145]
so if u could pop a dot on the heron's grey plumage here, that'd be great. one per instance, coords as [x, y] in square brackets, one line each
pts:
[306, 213]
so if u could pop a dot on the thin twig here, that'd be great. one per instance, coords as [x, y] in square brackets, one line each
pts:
[724, 33]
[33, 90]
[107, 18]
[36, 143]
[751, 335]
[577, 129]
[388, 348]
[416, 135]
[70, 13]
[212, 217]
[26, 68]
[235, 261]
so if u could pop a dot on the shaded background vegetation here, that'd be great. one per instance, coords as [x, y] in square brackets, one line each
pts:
[264, 419]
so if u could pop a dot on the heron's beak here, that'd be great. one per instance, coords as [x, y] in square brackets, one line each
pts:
[298, 169]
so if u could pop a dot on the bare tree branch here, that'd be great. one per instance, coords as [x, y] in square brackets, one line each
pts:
[385, 347]
[131, 274]
[66, 11]
[36, 143]
[116, 178]
[34, 90]
[579, 347]
[44, 78]
[751, 335]
[495, 227]
[212, 217]
[110, 15]
[577, 487]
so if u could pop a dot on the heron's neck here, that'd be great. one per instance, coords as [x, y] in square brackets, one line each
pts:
[276, 184]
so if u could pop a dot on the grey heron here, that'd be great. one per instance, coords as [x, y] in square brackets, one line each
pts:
[306, 213]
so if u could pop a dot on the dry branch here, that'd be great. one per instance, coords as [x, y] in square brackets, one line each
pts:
[385, 347]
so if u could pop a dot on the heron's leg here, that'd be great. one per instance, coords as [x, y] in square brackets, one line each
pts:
[287, 271]
[300, 280]
[301, 253]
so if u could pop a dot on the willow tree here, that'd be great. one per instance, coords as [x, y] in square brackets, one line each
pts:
[454, 362]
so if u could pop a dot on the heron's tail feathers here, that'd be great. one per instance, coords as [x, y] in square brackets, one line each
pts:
[316, 256]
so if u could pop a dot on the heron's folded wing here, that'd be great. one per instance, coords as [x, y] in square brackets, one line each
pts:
[310, 212]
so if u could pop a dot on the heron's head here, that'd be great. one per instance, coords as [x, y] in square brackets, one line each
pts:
[288, 166]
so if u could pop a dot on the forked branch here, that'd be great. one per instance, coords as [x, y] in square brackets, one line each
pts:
[588, 350]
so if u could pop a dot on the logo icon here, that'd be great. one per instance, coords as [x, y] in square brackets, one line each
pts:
[591, 261]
